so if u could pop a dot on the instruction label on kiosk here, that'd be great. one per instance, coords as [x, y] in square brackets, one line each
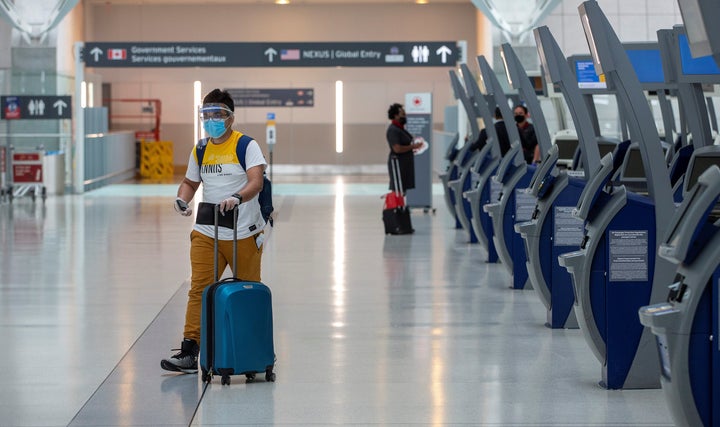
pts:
[629, 256]
[524, 205]
[568, 230]
[495, 191]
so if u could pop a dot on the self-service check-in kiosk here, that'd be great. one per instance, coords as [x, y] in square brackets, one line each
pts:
[616, 271]
[537, 234]
[515, 205]
[483, 188]
[553, 231]
[456, 175]
[686, 326]
[445, 177]
[463, 182]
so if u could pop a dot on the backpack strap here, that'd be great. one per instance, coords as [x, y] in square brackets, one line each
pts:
[200, 149]
[241, 150]
[200, 153]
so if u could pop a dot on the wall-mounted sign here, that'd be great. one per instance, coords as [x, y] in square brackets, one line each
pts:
[26, 107]
[302, 97]
[272, 54]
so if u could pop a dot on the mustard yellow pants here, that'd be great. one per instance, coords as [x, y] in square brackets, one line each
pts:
[202, 253]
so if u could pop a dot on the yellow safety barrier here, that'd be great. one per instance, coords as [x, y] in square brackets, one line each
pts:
[156, 159]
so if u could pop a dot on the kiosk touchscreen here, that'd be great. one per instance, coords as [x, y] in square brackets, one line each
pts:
[632, 171]
[567, 145]
[701, 160]
[605, 146]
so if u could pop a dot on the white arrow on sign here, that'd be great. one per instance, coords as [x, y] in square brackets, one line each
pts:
[96, 52]
[443, 51]
[270, 52]
[60, 104]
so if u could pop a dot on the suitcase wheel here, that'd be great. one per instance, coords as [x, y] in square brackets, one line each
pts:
[225, 380]
[250, 377]
[270, 376]
[206, 376]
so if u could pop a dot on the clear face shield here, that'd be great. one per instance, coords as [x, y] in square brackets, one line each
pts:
[214, 118]
[214, 112]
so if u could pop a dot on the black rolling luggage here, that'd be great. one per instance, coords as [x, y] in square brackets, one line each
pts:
[396, 215]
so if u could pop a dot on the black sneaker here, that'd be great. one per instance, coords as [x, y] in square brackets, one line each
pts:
[186, 360]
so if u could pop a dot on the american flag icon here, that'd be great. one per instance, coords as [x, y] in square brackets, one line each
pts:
[289, 54]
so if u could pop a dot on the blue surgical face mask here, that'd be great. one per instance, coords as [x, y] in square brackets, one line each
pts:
[214, 129]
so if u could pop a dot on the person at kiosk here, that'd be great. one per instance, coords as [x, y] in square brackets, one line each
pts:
[527, 133]
[500, 130]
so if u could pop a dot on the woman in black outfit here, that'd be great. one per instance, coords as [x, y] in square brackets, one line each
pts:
[401, 147]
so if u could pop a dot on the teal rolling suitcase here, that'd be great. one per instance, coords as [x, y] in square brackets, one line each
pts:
[236, 327]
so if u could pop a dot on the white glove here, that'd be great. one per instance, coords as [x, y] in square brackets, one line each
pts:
[182, 207]
[228, 204]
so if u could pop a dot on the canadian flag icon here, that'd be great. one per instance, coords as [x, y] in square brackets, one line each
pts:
[117, 54]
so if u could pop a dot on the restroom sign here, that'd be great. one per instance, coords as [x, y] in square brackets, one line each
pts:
[29, 107]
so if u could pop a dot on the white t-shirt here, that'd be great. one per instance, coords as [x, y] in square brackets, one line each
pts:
[222, 176]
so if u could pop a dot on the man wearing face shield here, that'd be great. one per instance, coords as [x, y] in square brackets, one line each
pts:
[401, 147]
[527, 133]
[214, 162]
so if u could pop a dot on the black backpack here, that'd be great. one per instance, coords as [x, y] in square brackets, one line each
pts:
[265, 196]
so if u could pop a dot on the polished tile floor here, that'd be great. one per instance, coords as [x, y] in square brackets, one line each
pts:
[369, 329]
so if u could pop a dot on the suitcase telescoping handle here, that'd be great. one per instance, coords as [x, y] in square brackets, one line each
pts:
[397, 178]
[215, 259]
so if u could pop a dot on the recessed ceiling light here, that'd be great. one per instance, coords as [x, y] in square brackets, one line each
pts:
[282, 1]
[422, 1]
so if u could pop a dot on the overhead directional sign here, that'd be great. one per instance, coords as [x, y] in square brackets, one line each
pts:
[273, 97]
[272, 54]
[29, 107]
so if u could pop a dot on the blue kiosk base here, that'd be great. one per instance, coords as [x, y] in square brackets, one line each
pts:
[514, 241]
[621, 283]
[704, 354]
[557, 278]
